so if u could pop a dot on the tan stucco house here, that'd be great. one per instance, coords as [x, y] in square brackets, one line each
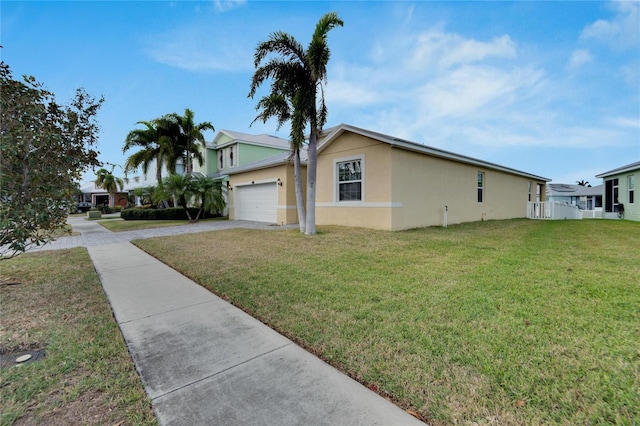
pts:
[368, 179]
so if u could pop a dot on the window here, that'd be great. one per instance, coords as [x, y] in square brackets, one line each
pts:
[631, 181]
[349, 180]
[611, 195]
[529, 190]
[480, 187]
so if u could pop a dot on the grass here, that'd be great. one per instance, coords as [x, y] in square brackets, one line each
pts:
[135, 225]
[54, 301]
[502, 322]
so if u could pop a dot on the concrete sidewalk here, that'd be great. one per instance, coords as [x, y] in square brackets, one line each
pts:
[206, 362]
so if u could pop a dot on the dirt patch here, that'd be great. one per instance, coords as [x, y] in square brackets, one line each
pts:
[90, 408]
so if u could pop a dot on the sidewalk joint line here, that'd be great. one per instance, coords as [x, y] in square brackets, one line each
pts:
[223, 371]
[173, 310]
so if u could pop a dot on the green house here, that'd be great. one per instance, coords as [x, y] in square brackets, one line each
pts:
[230, 150]
[619, 198]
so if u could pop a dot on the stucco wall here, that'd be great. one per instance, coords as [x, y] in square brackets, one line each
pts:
[424, 185]
[405, 189]
[375, 210]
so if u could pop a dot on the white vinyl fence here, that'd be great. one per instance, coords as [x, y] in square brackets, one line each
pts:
[552, 210]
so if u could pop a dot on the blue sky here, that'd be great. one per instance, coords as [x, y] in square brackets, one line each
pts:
[550, 88]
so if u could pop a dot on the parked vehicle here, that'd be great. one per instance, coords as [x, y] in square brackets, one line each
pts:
[83, 207]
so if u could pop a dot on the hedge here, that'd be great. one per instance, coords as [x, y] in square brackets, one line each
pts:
[173, 213]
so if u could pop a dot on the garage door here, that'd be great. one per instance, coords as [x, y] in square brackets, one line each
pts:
[257, 202]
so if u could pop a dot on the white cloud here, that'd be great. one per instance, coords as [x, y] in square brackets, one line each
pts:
[476, 90]
[621, 31]
[198, 49]
[446, 50]
[226, 5]
[578, 58]
[630, 122]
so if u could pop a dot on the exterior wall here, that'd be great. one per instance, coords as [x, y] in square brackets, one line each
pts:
[243, 154]
[404, 189]
[249, 153]
[376, 209]
[631, 210]
[286, 213]
[424, 185]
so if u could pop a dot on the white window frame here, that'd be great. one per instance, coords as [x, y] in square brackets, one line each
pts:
[336, 186]
[480, 186]
[631, 187]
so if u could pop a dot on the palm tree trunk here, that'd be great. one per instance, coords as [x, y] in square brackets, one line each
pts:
[297, 170]
[312, 163]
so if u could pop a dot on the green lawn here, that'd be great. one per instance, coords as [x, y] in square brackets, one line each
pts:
[500, 322]
[54, 301]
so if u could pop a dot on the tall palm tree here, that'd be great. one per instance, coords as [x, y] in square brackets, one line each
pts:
[106, 180]
[297, 94]
[189, 138]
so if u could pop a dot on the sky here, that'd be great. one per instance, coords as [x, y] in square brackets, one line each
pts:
[549, 88]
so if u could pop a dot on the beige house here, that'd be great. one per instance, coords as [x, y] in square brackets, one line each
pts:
[367, 179]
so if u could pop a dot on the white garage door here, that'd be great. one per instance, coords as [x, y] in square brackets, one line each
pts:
[257, 202]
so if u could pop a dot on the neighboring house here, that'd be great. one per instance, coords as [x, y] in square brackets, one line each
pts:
[228, 151]
[586, 198]
[98, 197]
[620, 192]
[372, 180]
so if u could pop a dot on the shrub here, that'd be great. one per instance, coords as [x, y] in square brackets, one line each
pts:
[174, 213]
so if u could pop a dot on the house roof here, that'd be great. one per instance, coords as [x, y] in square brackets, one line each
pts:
[335, 132]
[262, 140]
[569, 190]
[623, 169]
[129, 185]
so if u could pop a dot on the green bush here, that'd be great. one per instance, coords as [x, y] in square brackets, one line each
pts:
[174, 213]
[94, 214]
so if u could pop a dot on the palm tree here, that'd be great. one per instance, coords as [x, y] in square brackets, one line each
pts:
[155, 146]
[298, 78]
[106, 180]
[180, 187]
[189, 137]
[583, 183]
[209, 191]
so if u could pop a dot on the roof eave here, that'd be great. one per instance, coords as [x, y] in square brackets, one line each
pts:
[423, 149]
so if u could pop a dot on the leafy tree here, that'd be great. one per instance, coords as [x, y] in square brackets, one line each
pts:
[45, 148]
[297, 94]
[106, 180]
